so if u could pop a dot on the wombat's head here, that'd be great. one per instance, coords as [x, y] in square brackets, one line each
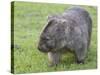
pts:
[51, 33]
[46, 41]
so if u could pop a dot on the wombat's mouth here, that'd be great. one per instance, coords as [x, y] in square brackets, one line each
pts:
[45, 50]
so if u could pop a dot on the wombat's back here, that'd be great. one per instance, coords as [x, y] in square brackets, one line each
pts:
[78, 14]
[76, 11]
[80, 26]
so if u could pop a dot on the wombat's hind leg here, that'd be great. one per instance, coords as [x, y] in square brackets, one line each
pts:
[80, 55]
[54, 58]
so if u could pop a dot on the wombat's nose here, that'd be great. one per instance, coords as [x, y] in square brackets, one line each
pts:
[39, 48]
[42, 49]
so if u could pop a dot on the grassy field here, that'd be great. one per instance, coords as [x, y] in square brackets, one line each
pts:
[29, 19]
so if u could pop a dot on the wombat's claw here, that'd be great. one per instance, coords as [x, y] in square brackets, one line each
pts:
[80, 62]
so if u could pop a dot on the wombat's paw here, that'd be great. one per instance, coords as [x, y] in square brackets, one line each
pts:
[80, 62]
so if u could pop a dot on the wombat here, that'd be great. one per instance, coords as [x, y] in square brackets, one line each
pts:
[69, 31]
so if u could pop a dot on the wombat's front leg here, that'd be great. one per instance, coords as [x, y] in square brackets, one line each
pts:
[80, 55]
[54, 58]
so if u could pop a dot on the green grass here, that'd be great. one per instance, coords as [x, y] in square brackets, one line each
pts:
[29, 19]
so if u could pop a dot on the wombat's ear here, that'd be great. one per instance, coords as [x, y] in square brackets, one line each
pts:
[50, 17]
[48, 24]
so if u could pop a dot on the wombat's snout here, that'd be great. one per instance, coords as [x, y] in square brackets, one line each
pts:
[42, 48]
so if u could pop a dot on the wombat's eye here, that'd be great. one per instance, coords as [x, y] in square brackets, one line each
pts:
[45, 38]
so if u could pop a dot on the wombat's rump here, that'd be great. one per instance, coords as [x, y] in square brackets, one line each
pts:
[70, 30]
